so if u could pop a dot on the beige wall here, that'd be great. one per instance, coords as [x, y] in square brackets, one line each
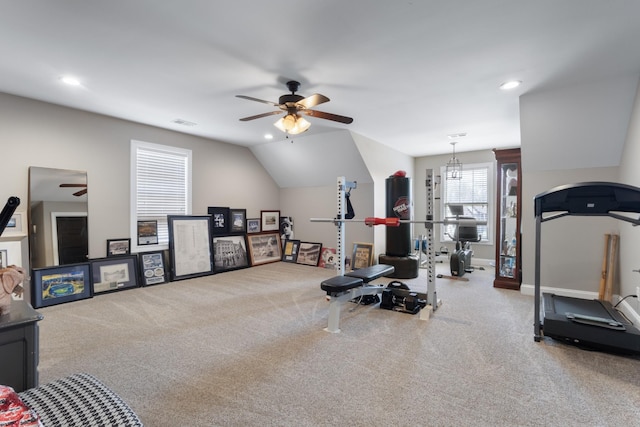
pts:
[382, 162]
[571, 247]
[630, 236]
[321, 202]
[34, 133]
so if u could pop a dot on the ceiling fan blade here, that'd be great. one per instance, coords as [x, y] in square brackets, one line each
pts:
[250, 98]
[80, 193]
[328, 116]
[313, 100]
[259, 116]
[72, 185]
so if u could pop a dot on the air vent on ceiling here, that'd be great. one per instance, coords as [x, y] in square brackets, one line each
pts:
[183, 122]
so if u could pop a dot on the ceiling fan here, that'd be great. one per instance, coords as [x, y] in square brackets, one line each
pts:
[295, 106]
[79, 192]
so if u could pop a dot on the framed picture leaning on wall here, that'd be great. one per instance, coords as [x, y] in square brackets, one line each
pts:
[290, 251]
[230, 252]
[309, 253]
[264, 247]
[253, 225]
[152, 268]
[147, 233]
[270, 220]
[190, 246]
[117, 247]
[237, 220]
[60, 284]
[219, 220]
[112, 274]
[362, 255]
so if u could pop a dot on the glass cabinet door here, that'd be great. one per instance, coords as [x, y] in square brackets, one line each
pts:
[508, 235]
[509, 220]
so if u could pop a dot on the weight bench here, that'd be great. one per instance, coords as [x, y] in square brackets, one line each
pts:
[352, 285]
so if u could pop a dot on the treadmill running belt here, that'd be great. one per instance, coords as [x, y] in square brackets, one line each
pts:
[590, 323]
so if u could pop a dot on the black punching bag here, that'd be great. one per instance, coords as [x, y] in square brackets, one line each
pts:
[399, 206]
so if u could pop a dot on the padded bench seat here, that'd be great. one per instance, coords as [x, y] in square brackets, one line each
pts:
[339, 284]
[354, 279]
[352, 285]
[373, 272]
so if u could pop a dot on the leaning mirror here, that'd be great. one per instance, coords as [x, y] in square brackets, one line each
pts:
[58, 222]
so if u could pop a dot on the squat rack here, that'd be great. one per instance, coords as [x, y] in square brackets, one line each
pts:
[344, 187]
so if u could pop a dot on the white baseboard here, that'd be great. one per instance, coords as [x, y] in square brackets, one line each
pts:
[529, 290]
[624, 307]
[483, 262]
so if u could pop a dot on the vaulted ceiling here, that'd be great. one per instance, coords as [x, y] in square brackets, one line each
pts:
[409, 72]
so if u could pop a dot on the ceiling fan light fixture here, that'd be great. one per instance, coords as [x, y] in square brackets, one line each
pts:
[292, 124]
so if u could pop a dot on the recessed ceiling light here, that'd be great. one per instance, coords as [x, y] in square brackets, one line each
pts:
[70, 80]
[511, 84]
[268, 136]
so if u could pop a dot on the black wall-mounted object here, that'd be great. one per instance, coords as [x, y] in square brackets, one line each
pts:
[7, 212]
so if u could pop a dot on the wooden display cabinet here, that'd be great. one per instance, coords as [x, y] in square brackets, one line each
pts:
[508, 235]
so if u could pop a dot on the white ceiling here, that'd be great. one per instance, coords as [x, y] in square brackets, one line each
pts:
[408, 72]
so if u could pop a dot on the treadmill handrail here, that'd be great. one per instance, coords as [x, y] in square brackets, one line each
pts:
[591, 199]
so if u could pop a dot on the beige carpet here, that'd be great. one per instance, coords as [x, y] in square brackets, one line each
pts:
[247, 347]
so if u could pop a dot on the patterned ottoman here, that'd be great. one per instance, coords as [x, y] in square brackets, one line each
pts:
[79, 400]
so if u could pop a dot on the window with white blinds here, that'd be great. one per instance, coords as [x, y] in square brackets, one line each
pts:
[473, 192]
[160, 186]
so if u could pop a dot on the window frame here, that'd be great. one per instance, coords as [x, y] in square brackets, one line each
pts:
[186, 154]
[490, 201]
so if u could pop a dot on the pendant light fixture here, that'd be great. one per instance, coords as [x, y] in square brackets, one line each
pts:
[454, 166]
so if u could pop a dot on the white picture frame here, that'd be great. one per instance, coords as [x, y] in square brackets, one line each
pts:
[17, 225]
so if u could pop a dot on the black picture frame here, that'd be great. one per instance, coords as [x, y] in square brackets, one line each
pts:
[270, 221]
[219, 220]
[237, 220]
[60, 284]
[114, 273]
[190, 246]
[230, 252]
[253, 225]
[153, 270]
[147, 232]
[118, 247]
[290, 250]
[309, 253]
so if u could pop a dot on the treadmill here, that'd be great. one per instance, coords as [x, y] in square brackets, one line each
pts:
[590, 323]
